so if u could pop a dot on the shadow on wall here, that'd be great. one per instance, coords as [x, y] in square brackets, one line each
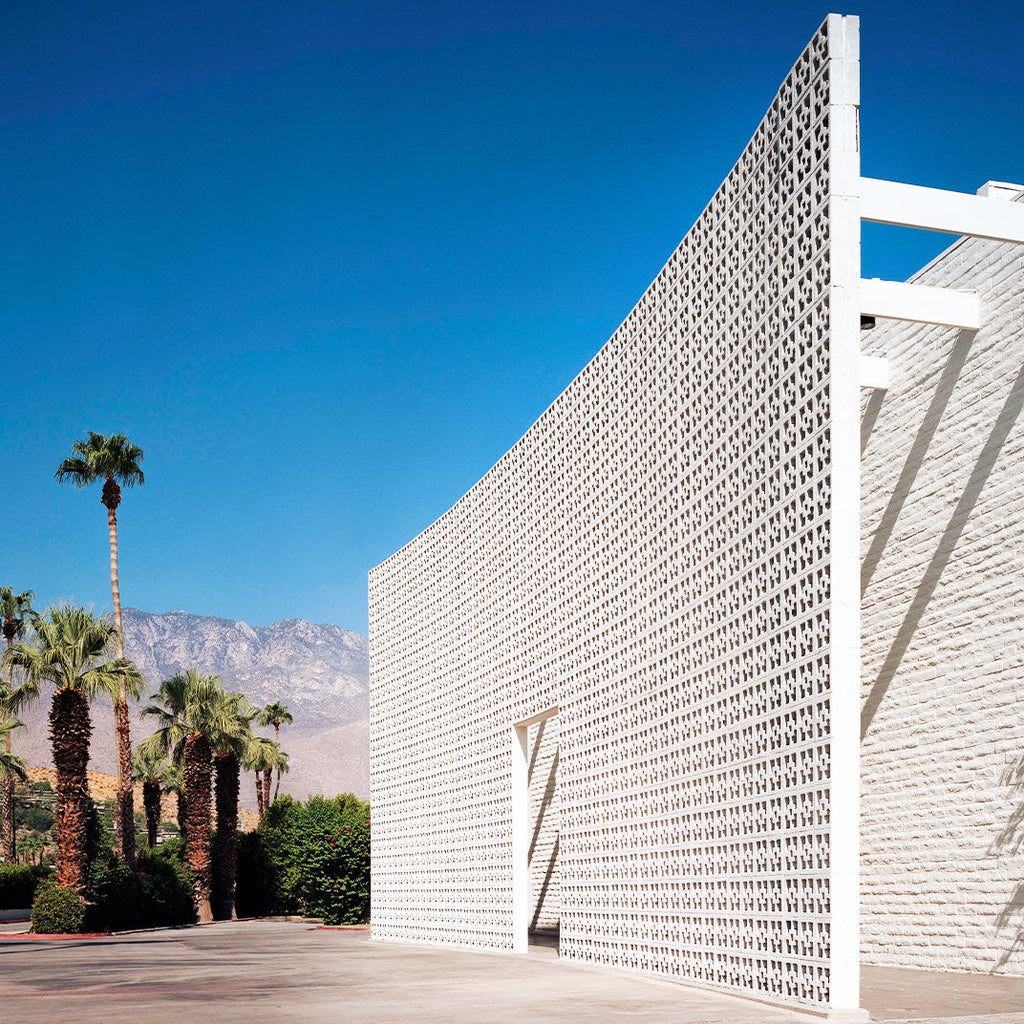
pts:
[958, 520]
[1010, 841]
[542, 813]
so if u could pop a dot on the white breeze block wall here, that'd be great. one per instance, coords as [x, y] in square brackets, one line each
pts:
[654, 558]
[943, 684]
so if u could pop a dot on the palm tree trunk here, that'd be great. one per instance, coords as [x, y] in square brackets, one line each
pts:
[277, 743]
[267, 772]
[261, 810]
[125, 796]
[182, 806]
[197, 773]
[7, 800]
[225, 767]
[70, 730]
[151, 803]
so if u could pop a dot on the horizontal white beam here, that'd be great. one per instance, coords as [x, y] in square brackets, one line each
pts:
[874, 372]
[920, 303]
[935, 209]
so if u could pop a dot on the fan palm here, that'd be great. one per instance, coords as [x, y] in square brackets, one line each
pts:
[68, 651]
[115, 461]
[259, 758]
[15, 611]
[11, 766]
[193, 712]
[148, 766]
[229, 741]
[276, 714]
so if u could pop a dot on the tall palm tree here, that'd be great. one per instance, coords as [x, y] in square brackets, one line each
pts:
[188, 737]
[276, 714]
[279, 764]
[115, 461]
[68, 650]
[230, 740]
[15, 610]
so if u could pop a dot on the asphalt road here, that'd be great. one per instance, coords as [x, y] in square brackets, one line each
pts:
[271, 972]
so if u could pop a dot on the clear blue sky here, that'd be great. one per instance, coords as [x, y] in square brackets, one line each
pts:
[326, 262]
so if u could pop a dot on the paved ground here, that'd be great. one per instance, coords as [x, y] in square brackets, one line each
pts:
[262, 972]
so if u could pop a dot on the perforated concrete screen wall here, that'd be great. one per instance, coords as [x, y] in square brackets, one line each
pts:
[668, 560]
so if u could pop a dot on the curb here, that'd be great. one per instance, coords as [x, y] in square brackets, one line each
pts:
[71, 935]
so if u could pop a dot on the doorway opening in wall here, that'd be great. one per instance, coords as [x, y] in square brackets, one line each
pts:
[536, 832]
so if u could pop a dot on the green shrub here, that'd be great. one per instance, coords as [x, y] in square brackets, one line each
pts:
[166, 891]
[311, 858]
[335, 871]
[157, 894]
[18, 884]
[57, 911]
[115, 897]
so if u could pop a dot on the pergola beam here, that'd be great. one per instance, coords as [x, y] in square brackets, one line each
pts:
[895, 300]
[935, 209]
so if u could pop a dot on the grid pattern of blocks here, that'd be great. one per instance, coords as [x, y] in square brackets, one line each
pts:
[943, 546]
[653, 558]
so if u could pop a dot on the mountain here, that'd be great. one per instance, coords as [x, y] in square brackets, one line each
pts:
[321, 672]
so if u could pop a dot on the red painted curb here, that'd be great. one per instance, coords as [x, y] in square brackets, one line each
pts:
[342, 927]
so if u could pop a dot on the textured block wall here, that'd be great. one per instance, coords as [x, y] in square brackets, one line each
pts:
[943, 614]
[654, 559]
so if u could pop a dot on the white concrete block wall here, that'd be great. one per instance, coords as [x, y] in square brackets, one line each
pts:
[943, 616]
[653, 558]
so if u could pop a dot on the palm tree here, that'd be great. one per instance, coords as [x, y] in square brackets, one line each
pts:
[168, 742]
[279, 764]
[69, 649]
[259, 758]
[115, 461]
[15, 610]
[276, 714]
[11, 766]
[230, 740]
[148, 767]
[187, 735]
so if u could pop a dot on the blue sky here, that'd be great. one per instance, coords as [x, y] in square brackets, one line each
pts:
[326, 262]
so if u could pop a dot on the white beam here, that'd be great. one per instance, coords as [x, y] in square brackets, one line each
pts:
[935, 209]
[920, 303]
[874, 372]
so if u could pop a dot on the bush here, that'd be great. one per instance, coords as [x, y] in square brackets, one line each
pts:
[57, 911]
[166, 891]
[311, 858]
[114, 897]
[18, 884]
[157, 894]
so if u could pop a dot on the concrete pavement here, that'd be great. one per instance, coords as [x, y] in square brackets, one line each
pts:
[263, 972]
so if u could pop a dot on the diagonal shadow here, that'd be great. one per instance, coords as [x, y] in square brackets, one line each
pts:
[536, 749]
[542, 895]
[549, 792]
[871, 411]
[1010, 840]
[926, 432]
[947, 542]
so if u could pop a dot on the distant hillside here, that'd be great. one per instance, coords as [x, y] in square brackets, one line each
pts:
[321, 672]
